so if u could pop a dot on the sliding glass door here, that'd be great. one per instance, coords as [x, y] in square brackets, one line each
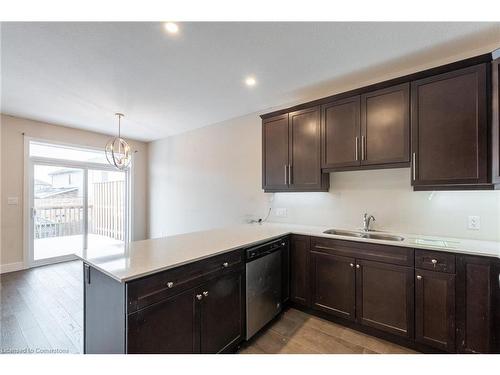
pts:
[75, 205]
[58, 211]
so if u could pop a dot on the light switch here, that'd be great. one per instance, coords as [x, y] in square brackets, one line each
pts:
[12, 201]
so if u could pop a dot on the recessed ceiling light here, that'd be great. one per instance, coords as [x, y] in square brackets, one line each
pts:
[171, 27]
[250, 81]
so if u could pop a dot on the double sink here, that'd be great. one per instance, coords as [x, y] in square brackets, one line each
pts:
[362, 234]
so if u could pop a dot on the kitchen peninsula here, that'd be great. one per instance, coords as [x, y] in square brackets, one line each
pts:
[185, 293]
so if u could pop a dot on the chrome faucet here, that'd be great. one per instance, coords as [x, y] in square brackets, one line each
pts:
[367, 219]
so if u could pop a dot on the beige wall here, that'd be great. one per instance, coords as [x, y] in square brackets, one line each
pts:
[12, 177]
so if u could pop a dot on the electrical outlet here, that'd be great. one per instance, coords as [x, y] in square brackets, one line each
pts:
[280, 212]
[474, 223]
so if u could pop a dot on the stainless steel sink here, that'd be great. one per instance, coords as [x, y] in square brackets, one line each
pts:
[340, 232]
[375, 236]
[379, 236]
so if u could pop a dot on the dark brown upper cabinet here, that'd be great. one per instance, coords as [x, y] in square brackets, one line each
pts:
[449, 130]
[275, 153]
[495, 106]
[292, 152]
[443, 122]
[385, 127]
[340, 130]
[367, 131]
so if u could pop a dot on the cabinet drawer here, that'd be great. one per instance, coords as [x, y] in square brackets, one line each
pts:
[154, 288]
[360, 250]
[435, 261]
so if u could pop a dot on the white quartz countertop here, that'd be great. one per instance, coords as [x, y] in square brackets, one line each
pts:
[141, 258]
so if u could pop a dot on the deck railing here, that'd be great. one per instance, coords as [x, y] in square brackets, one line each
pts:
[65, 217]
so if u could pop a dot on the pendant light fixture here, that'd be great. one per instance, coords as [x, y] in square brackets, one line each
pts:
[118, 151]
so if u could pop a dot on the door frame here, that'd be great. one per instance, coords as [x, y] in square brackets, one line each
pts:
[28, 227]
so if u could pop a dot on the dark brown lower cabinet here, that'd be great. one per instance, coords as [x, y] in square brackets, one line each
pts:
[221, 314]
[496, 287]
[299, 270]
[169, 326]
[435, 309]
[208, 319]
[333, 284]
[474, 304]
[384, 297]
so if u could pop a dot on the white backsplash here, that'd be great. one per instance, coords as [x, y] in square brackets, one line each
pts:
[388, 196]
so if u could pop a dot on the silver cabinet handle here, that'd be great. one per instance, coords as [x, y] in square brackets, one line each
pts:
[289, 174]
[413, 165]
[170, 284]
[419, 277]
[351, 264]
[363, 151]
[205, 293]
[358, 266]
[225, 264]
[199, 297]
[286, 175]
[357, 148]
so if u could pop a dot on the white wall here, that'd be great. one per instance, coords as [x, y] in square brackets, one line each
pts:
[12, 179]
[206, 178]
[212, 177]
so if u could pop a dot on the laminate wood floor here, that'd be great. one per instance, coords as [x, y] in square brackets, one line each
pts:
[41, 310]
[296, 332]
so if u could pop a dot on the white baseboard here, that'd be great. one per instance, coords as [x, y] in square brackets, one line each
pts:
[11, 267]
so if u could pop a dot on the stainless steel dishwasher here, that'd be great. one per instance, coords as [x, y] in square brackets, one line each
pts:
[264, 289]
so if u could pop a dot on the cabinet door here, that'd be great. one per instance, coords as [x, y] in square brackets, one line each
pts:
[435, 309]
[275, 153]
[333, 284]
[496, 287]
[305, 150]
[385, 126]
[222, 313]
[384, 297]
[449, 128]
[169, 326]
[299, 270]
[341, 133]
[495, 105]
[474, 304]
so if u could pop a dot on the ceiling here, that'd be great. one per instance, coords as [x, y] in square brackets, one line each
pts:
[80, 74]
